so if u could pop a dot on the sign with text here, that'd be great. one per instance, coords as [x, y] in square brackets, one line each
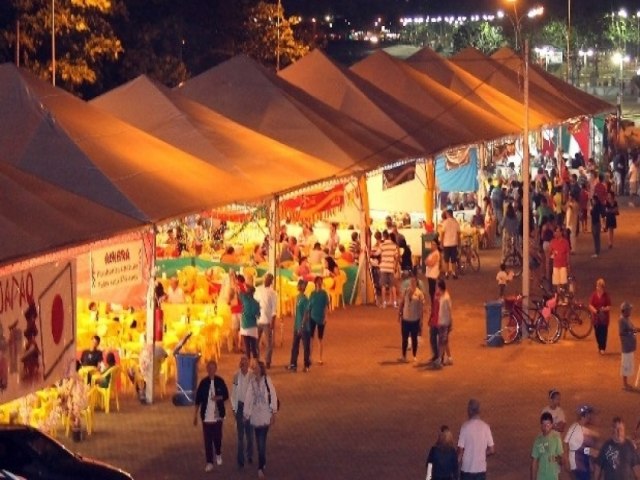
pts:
[37, 328]
[116, 266]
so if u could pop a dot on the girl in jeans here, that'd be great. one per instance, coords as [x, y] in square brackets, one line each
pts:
[260, 407]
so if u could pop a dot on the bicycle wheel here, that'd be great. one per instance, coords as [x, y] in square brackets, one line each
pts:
[513, 262]
[474, 260]
[510, 328]
[579, 320]
[548, 330]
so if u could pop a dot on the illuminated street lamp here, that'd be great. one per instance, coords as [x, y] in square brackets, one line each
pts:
[620, 59]
[516, 21]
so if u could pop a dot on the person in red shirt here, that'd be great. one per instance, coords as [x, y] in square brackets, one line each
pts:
[583, 202]
[600, 189]
[600, 306]
[559, 249]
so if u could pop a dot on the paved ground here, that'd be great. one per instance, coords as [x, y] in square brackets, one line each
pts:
[362, 415]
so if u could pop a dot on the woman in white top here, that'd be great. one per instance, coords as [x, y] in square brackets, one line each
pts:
[260, 407]
[433, 267]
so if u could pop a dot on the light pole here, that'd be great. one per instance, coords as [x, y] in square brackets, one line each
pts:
[516, 21]
[568, 40]
[620, 59]
[637, 37]
[53, 42]
[585, 54]
[278, 36]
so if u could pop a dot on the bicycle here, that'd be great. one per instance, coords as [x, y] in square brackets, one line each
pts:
[575, 316]
[513, 258]
[468, 257]
[543, 322]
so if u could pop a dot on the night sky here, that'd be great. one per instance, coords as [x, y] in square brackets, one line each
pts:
[360, 10]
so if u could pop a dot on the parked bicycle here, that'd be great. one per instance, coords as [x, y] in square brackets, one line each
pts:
[513, 257]
[538, 319]
[468, 257]
[574, 315]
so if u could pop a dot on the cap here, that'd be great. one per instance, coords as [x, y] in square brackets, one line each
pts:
[586, 410]
[625, 306]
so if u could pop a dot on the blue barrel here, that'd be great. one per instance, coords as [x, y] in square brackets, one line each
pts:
[187, 378]
[493, 319]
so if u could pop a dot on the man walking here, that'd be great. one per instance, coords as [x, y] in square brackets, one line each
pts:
[618, 458]
[475, 444]
[300, 330]
[410, 316]
[546, 456]
[241, 381]
[268, 301]
[388, 266]
[628, 343]
[560, 250]
[450, 236]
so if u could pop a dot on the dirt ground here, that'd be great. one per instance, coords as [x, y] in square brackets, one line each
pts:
[363, 415]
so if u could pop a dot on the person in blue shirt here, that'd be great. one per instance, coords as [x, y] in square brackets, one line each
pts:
[318, 311]
[301, 330]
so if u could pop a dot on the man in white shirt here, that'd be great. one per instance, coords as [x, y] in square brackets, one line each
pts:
[241, 381]
[450, 235]
[268, 300]
[174, 292]
[475, 444]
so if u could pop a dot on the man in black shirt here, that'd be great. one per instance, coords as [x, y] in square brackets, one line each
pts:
[618, 458]
[94, 356]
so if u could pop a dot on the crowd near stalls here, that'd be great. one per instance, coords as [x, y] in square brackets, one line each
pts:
[283, 185]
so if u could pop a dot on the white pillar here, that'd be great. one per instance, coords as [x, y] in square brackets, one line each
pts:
[150, 319]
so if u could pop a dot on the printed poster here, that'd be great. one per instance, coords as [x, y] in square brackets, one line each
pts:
[116, 267]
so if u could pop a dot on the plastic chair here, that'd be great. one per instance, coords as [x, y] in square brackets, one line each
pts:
[336, 294]
[102, 395]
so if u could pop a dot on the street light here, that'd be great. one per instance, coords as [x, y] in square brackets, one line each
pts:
[516, 21]
[620, 59]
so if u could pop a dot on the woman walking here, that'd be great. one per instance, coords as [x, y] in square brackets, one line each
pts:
[433, 268]
[600, 306]
[596, 224]
[410, 313]
[610, 214]
[442, 461]
[260, 407]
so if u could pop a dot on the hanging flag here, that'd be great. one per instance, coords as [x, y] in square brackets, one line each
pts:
[395, 176]
[313, 206]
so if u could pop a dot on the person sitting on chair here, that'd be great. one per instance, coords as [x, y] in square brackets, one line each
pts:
[102, 380]
[92, 357]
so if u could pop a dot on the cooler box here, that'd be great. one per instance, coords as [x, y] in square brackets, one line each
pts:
[187, 379]
[493, 319]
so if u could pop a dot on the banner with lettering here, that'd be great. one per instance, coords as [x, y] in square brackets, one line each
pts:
[314, 205]
[37, 328]
[395, 176]
[116, 266]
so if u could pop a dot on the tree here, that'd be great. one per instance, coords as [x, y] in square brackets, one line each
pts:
[437, 35]
[262, 40]
[84, 38]
[483, 36]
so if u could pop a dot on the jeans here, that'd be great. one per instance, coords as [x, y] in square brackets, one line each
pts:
[433, 341]
[306, 347]
[212, 432]
[601, 335]
[432, 289]
[267, 331]
[245, 430]
[595, 231]
[410, 327]
[473, 476]
[261, 443]
[250, 346]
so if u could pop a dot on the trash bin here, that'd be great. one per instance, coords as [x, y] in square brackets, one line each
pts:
[187, 379]
[493, 319]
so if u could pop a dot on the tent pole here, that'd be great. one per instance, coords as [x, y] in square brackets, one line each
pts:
[526, 171]
[149, 333]
[365, 239]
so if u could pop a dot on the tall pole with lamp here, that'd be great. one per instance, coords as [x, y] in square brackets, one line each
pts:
[53, 42]
[278, 36]
[526, 182]
[516, 21]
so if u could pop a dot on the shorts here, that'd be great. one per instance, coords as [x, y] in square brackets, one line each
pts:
[451, 254]
[559, 276]
[235, 321]
[627, 366]
[312, 325]
[386, 279]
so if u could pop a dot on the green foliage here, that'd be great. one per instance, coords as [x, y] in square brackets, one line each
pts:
[83, 35]
[483, 36]
[263, 42]
[437, 36]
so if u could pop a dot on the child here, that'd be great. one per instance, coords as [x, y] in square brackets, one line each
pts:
[502, 278]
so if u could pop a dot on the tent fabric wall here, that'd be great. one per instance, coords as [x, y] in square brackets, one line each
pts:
[462, 179]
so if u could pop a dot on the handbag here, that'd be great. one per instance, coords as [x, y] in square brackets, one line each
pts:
[269, 394]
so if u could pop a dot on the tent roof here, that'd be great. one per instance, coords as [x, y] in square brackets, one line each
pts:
[266, 164]
[39, 217]
[482, 94]
[588, 104]
[246, 92]
[510, 82]
[56, 136]
[470, 122]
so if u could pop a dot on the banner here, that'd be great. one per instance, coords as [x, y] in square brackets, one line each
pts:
[37, 328]
[457, 158]
[116, 267]
[462, 179]
[398, 175]
[313, 206]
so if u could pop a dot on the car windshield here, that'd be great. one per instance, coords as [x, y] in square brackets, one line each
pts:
[48, 450]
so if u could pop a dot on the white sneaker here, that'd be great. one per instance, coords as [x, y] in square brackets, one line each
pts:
[208, 467]
[219, 459]
[595, 255]
[260, 474]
